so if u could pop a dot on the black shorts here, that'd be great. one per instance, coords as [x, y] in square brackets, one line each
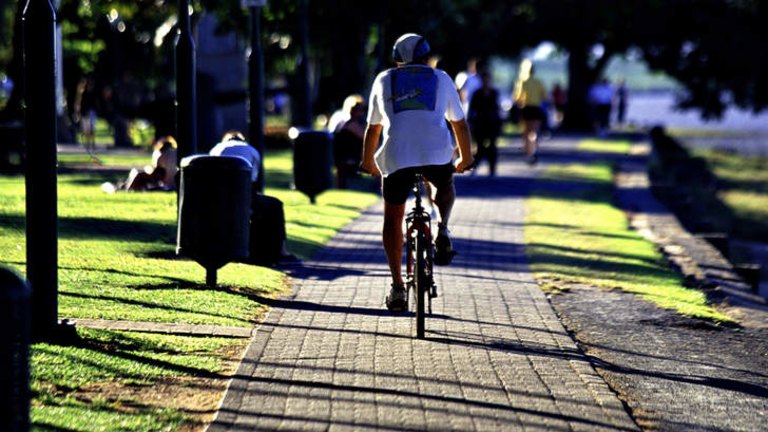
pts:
[399, 184]
[532, 112]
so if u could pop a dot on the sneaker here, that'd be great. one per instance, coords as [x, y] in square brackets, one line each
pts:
[444, 251]
[397, 300]
[532, 159]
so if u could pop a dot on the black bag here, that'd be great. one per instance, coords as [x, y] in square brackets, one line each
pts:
[267, 229]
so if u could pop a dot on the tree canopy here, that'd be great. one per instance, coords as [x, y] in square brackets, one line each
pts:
[709, 46]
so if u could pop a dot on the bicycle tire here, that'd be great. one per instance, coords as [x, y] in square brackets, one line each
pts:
[420, 282]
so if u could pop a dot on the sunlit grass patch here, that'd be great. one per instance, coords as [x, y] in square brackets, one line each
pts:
[576, 235]
[62, 374]
[117, 261]
[605, 146]
[134, 158]
[743, 188]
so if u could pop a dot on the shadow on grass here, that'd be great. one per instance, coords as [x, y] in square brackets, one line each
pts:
[148, 305]
[553, 250]
[755, 186]
[82, 228]
[278, 179]
[175, 282]
[121, 347]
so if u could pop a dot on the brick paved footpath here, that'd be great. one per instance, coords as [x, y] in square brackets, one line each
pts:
[496, 357]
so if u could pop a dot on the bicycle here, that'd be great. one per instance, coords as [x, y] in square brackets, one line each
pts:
[419, 256]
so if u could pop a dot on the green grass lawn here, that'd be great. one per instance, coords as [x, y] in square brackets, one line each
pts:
[117, 261]
[743, 188]
[574, 235]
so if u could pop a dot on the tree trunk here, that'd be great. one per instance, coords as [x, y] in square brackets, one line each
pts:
[581, 76]
[577, 117]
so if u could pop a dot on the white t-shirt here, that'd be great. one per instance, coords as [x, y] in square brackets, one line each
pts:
[601, 94]
[470, 86]
[240, 149]
[412, 103]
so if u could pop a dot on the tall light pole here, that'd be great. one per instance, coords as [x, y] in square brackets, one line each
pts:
[186, 84]
[256, 84]
[304, 114]
[39, 48]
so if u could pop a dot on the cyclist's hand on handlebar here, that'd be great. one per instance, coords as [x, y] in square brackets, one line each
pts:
[464, 164]
[369, 168]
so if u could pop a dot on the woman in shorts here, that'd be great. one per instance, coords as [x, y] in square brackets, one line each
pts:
[529, 95]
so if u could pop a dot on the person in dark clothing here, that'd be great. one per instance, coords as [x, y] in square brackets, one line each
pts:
[485, 122]
[86, 105]
[348, 144]
[621, 103]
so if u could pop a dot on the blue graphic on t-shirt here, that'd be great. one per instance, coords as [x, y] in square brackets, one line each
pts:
[413, 88]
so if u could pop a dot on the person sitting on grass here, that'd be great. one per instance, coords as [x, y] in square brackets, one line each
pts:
[159, 176]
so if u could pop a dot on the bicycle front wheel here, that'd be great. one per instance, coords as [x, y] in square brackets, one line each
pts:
[420, 282]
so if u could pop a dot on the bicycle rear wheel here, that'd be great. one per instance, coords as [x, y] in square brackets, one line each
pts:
[420, 282]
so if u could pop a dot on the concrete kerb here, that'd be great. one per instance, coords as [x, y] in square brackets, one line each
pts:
[700, 263]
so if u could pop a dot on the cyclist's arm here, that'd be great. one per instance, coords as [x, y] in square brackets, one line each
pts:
[461, 132]
[370, 144]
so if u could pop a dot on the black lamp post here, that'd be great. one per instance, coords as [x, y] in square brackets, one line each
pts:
[304, 114]
[256, 85]
[39, 47]
[186, 84]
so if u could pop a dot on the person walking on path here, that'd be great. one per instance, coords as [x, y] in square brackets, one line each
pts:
[409, 105]
[469, 81]
[485, 122]
[529, 95]
[86, 105]
[621, 102]
[559, 99]
[601, 100]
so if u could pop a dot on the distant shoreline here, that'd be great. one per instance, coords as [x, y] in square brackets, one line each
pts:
[648, 108]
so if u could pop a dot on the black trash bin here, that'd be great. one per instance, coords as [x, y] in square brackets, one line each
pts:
[312, 162]
[214, 211]
[15, 308]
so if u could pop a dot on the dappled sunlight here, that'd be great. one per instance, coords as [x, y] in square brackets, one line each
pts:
[577, 235]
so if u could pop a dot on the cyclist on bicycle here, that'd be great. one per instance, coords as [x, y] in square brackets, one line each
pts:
[412, 106]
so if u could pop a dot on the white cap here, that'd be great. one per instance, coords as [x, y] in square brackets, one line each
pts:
[410, 47]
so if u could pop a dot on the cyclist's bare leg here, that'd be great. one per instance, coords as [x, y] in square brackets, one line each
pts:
[444, 199]
[393, 239]
[530, 136]
[429, 195]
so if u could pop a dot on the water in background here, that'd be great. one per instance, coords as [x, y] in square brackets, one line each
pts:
[741, 131]
[738, 131]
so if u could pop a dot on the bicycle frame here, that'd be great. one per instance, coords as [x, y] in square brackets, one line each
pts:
[419, 253]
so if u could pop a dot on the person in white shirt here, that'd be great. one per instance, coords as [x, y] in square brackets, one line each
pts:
[267, 227]
[600, 98]
[233, 144]
[412, 107]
